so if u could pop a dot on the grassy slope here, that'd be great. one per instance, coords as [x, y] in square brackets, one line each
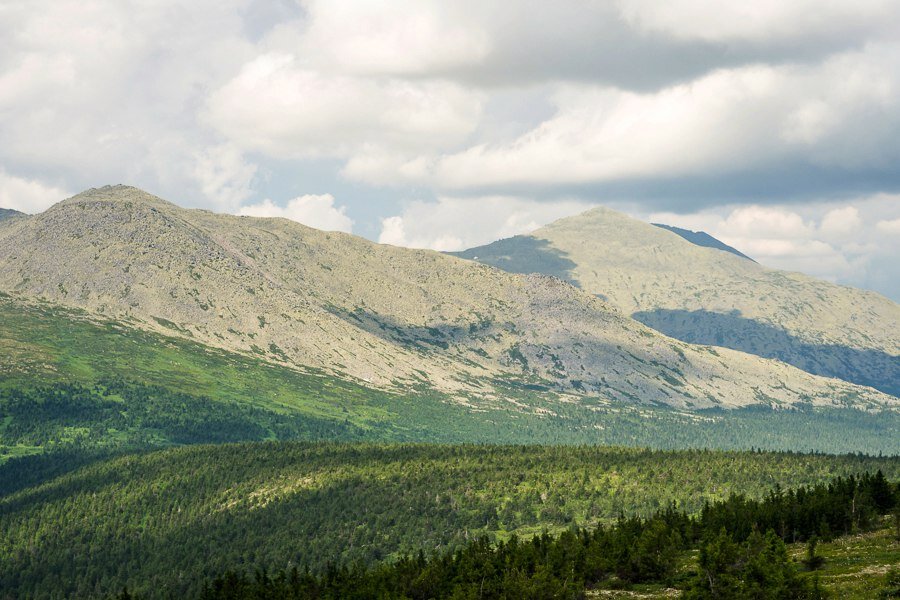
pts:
[203, 509]
[855, 567]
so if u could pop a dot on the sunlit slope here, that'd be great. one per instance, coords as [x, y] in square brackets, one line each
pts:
[386, 317]
[71, 380]
[705, 295]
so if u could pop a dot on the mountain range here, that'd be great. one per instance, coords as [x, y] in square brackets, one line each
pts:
[708, 293]
[385, 317]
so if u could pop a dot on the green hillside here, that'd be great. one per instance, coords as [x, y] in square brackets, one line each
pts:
[68, 379]
[165, 521]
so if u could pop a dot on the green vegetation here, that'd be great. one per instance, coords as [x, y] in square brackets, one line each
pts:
[68, 380]
[734, 559]
[200, 510]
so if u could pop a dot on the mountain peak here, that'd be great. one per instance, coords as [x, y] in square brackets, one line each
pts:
[118, 193]
[684, 285]
[392, 318]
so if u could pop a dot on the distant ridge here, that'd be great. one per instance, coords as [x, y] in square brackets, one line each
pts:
[701, 238]
[8, 213]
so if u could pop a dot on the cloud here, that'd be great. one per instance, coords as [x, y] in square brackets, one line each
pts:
[224, 175]
[451, 224]
[846, 242]
[105, 91]
[316, 211]
[842, 113]
[277, 106]
[28, 195]
[758, 21]
[890, 227]
[669, 105]
[404, 37]
[841, 221]
[750, 221]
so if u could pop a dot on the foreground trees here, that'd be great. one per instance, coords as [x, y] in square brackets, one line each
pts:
[736, 560]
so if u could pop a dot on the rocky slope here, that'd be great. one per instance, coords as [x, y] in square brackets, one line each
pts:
[390, 317]
[709, 296]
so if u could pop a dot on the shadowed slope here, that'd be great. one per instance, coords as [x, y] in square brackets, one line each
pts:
[701, 238]
[8, 213]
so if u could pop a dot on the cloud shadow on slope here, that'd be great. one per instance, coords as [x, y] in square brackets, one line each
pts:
[730, 330]
[523, 254]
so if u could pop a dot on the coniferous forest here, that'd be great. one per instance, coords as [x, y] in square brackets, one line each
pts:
[735, 560]
[325, 519]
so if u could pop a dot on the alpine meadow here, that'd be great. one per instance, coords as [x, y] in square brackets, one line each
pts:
[464, 301]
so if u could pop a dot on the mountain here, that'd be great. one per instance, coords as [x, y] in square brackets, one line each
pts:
[701, 238]
[386, 318]
[8, 213]
[70, 379]
[706, 296]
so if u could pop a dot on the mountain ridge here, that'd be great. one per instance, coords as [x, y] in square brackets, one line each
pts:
[8, 213]
[701, 295]
[703, 239]
[392, 318]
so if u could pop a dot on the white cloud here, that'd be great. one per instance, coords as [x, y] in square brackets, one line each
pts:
[416, 37]
[312, 210]
[209, 102]
[278, 106]
[224, 175]
[841, 221]
[760, 20]
[459, 223]
[849, 243]
[751, 221]
[105, 91]
[28, 195]
[843, 113]
[891, 227]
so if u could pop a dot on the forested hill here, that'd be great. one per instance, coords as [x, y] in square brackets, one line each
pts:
[736, 561]
[202, 510]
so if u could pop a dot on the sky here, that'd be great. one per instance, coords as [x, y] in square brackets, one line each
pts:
[772, 125]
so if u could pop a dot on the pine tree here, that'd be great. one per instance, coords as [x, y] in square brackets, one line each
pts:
[813, 561]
